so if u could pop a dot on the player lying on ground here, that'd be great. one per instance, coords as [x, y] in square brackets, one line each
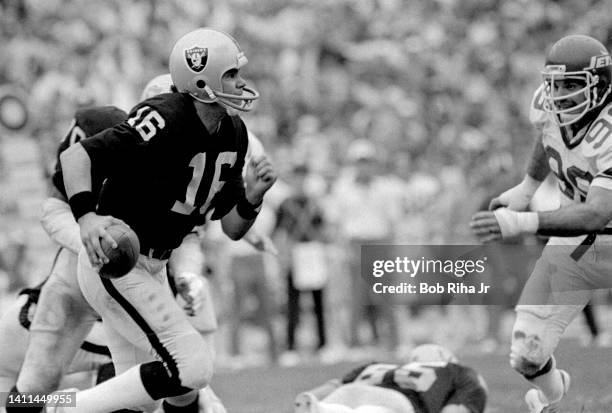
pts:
[432, 381]
[572, 111]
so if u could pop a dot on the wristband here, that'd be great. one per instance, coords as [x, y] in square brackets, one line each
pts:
[82, 203]
[512, 223]
[246, 210]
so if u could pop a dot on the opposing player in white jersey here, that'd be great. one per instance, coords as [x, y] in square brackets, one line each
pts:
[572, 111]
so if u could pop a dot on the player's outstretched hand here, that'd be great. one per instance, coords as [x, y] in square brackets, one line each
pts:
[93, 229]
[485, 226]
[260, 177]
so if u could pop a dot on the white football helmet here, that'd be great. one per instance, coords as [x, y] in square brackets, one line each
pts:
[426, 353]
[198, 61]
[156, 86]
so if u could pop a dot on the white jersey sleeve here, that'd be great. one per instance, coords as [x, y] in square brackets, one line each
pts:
[597, 148]
[537, 115]
[255, 147]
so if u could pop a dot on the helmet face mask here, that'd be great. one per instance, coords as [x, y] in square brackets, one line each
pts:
[577, 78]
[198, 62]
[581, 100]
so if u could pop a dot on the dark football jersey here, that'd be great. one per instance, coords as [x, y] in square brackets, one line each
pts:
[428, 386]
[165, 171]
[86, 122]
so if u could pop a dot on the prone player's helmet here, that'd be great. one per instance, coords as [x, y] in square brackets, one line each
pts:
[426, 353]
[585, 60]
[198, 61]
[156, 86]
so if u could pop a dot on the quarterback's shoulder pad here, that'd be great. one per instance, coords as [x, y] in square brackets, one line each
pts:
[96, 119]
[598, 140]
[537, 114]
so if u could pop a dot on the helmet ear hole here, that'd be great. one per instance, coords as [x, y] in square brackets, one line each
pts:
[201, 84]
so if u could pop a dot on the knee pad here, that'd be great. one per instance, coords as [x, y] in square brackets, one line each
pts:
[527, 355]
[162, 380]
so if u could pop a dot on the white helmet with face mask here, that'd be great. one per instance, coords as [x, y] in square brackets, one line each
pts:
[198, 62]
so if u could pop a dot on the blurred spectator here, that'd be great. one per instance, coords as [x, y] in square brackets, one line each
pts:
[300, 233]
[441, 86]
[365, 206]
[252, 300]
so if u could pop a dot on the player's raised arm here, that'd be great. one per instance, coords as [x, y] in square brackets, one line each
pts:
[259, 178]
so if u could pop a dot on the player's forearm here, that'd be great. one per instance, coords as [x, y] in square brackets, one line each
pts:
[235, 226]
[537, 167]
[76, 167]
[242, 216]
[572, 220]
[59, 223]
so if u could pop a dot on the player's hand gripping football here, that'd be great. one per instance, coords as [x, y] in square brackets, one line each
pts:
[93, 229]
[260, 176]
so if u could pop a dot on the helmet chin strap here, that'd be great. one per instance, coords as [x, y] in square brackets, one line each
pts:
[226, 100]
[246, 101]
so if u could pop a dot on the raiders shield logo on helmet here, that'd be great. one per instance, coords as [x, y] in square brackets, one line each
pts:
[196, 58]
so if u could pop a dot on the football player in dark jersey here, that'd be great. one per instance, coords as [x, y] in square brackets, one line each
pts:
[65, 318]
[48, 359]
[431, 382]
[177, 157]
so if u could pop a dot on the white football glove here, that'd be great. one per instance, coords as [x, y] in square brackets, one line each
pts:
[518, 197]
[191, 287]
[512, 223]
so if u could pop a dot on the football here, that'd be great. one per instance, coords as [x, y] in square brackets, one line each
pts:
[123, 258]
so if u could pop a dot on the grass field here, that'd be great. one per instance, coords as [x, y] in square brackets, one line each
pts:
[271, 390]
